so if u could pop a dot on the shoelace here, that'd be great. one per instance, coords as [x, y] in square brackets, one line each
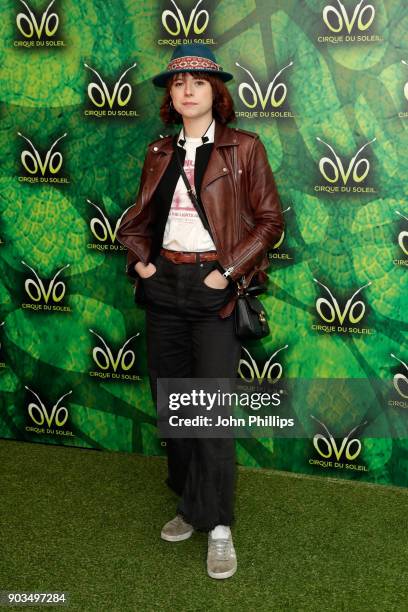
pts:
[222, 548]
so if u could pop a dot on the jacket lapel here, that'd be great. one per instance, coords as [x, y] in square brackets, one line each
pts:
[223, 137]
[162, 156]
[203, 154]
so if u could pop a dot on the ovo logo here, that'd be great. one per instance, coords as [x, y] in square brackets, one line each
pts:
[406, 84]
[282, 238]
[198, 20]
[28, 24]
[101, 228]
[32, 162]
[400, 381]
[37, 291]
[275, 92]
[354, 311]
[104, 358]
[326, 445]
[120, 94]
[335, 19]
[358, 170]
[403, 236]
[39, 413]
[271, 371]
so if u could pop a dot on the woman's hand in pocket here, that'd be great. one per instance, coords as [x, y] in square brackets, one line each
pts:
[215, 280]
[145, 271]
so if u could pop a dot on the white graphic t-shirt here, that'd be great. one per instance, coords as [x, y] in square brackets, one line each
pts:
[184, 230]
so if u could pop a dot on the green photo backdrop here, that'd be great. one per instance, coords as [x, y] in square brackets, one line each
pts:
[325, 85]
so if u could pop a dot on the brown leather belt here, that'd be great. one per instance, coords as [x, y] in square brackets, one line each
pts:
[179, 257]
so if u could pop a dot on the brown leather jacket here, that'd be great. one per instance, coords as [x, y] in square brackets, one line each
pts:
[239, 196]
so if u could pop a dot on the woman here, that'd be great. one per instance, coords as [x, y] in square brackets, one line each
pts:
[189, 240]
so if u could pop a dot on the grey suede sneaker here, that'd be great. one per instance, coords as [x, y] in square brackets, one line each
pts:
[221, 557]
[176, 530]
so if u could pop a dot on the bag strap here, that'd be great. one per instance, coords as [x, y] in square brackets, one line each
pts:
[244, 282]
[191, 191]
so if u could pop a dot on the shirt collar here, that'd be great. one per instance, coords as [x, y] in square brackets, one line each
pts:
[210, 134]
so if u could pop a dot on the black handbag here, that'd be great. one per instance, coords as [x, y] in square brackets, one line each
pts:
[250, 316]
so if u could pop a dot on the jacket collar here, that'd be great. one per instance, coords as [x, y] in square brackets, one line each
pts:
[224, 136]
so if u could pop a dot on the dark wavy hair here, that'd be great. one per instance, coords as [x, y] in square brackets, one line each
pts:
[223, 104]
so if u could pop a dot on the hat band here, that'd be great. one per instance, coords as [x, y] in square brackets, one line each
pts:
[193, 62]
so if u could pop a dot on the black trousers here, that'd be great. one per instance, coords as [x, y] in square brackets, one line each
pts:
[186, 338]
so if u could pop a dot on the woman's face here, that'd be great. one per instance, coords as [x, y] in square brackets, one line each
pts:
[192, 96]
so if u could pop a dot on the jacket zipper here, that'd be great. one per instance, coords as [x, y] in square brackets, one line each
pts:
[236, 183]
[247, 255]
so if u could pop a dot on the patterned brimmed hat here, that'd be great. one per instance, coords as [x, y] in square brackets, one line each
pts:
[192, 58]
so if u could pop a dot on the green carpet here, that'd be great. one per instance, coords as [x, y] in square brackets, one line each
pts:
[88, 522]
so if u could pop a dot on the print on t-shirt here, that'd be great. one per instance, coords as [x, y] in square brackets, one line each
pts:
[184, 230]
[181, 206]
